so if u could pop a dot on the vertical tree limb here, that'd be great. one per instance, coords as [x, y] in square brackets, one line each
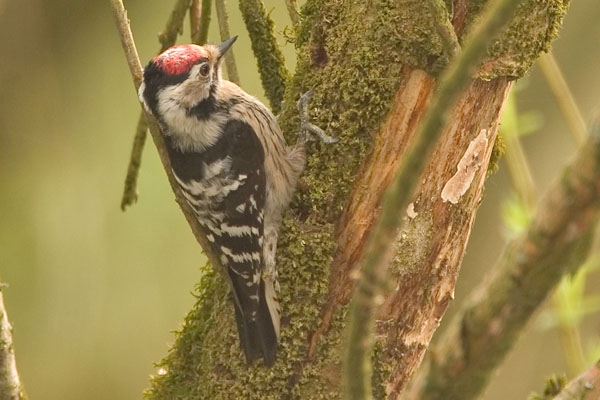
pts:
[557, 242]
[380, 250]
[126, 37]
[223, 17]
[200, 21]
[431, 246]
[11, 387]
[174, 25]
[269, 58]
[292, 8]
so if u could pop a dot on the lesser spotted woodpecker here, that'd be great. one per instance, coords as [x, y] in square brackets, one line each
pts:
[238, 175]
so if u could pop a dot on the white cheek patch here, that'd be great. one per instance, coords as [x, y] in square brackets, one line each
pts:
[467, 167]
[190, 133]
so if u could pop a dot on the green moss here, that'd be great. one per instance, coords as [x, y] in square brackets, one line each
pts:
[321, 378]
[309, 14]
[381, 371]
[175, 379]
[535, 26]
[353, 64]
[554, 385]
[207, 362]
[497, 152]
[271, 65]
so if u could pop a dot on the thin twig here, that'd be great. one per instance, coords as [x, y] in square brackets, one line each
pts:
[223, 17]
[564, 97]
[174, 25]
[518, 166]
[520, 171]
[380, 250]
[565, 306]
[292, 8]
[11, 387]
[126, 37]
[167, 39]
[271, 64]
[200, 21]
[130, 194]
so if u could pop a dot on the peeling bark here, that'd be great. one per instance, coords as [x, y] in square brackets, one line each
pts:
[557, 242]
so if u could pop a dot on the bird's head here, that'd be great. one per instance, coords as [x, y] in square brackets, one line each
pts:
[182, 76]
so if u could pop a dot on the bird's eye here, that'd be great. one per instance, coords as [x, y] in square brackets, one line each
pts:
[204, 69]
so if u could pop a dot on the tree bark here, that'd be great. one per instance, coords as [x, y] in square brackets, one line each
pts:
[11, 387]
[557, 242]
[373, 68]
[584, 387]
[440, 229]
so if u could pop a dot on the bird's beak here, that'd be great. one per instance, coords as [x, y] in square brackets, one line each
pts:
[223, 47]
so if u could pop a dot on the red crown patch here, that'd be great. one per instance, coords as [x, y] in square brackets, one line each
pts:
[180, 59]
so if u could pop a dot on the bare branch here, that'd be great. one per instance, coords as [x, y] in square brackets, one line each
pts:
[174, 26]
[126, 37]
[11, 387]
[232, 72]
[130, 193]
[200, 21]
[563, 96]
[292, 8]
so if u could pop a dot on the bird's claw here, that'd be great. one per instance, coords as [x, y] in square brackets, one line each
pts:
[309, 130]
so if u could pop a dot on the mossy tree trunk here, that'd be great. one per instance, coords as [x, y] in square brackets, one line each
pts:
[373, 67]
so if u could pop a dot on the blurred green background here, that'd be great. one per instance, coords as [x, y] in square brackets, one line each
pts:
[94, 294]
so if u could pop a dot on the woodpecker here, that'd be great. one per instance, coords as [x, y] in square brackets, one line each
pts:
[235, 170]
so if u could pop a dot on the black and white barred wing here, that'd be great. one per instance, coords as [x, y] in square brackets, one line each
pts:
[225, 185]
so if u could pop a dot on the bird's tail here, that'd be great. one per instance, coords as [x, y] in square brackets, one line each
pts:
[259, 334]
